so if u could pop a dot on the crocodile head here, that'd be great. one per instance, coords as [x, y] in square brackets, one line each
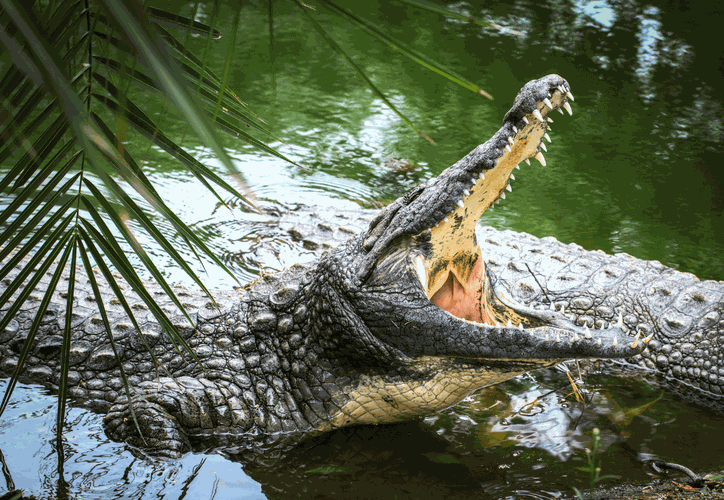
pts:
[421, 286]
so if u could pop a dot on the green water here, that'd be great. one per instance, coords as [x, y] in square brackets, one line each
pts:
[636, 169]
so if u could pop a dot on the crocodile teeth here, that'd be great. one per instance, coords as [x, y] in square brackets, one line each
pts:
[507, 146]
[550, 120]
[509, 188]
[527, 160]
[512, 176]
[570, 96]
[646, 340]
[446, 219]
[615, 341]
[620, 319]
[518, 167]
[437, 224]
[474, 181]
[548, 103]
[511, 141]
[497, 324]
[420, 268]
[515, 129]
[547, 137]
[572, 340]
[482, 175]
[525, 120]
[461, 204]
[561, 89]
[599, 341]
[467, 193]
[520, 326]
[537, 114]
[539, 157]
[567, 107]
[543, 146]
[635, 343]
[588, 333]
[560, 110]
[553, 306]
[502, 195]
[509, 325]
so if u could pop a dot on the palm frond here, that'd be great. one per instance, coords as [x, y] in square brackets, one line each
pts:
[66, 69]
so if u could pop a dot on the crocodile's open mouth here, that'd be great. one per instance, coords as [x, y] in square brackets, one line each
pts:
[453, 275]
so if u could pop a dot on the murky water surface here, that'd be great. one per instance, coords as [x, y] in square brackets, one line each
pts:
[636, 169]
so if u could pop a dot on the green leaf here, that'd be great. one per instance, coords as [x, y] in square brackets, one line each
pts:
[330, 41]
[406, 50]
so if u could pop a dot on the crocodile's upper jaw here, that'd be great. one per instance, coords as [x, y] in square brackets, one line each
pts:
[453, 274]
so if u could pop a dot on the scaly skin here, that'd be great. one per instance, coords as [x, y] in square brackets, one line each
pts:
[397, 322]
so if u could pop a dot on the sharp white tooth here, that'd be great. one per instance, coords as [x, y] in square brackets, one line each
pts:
[507, 146]
[620, 319]
[527, 160]
[548, 103]
[573, 340]
[635, 343]
[461, 204]
[550, 120]
[543, 146]
[518, 166]
[510, 189]
[547, 137]
[497, 324]
[615, 341]
[560, 110]
[515, 129]
[482, 175]
[567, 107]
[570, 96]
[537, 114]
[646, 340]
[539, 157]
[502, 194]
[446, 219]
[497, 201]
[511, 141]
[437, 224]
[475, 181]
[421, 273]
[520, 326]
[525, 120]
[561, 89]
[598, 342]
[512, 176]
[587, 334]
[558, 337]
[509, 325]
[553, 306]
[547, 338]
[467, 193]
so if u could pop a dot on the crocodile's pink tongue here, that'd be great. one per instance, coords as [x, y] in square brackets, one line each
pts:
[464, 300]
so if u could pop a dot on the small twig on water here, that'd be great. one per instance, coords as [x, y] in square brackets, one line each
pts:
[541, 286]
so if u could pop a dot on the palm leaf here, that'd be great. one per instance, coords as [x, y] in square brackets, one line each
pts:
[337, 48]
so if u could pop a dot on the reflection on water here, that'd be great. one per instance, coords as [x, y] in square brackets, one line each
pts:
[521, 439]
[635, 169]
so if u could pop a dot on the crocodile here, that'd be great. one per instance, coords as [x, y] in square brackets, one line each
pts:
[399, 321]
